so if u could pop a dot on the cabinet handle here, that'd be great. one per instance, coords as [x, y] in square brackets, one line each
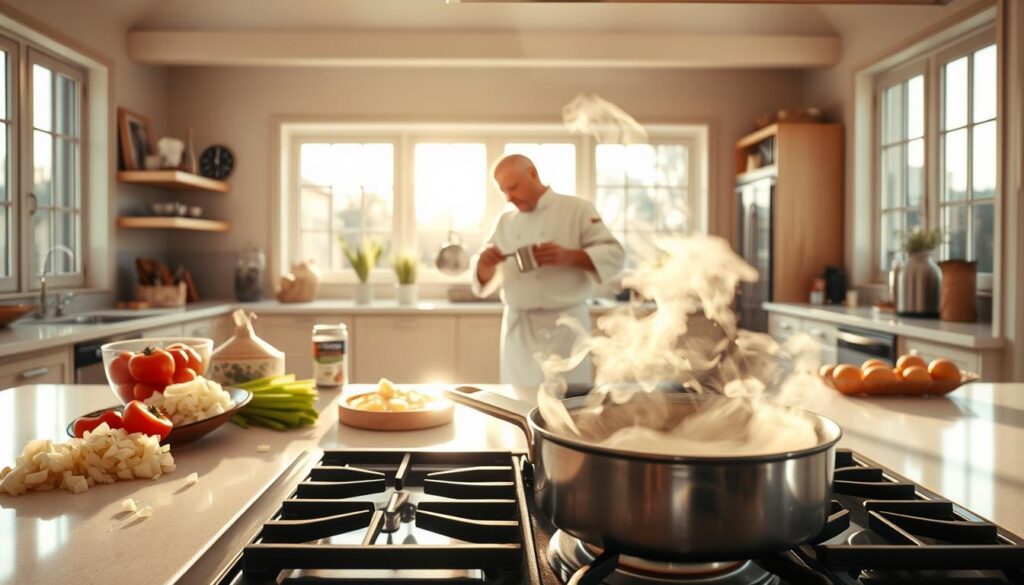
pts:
[817, 333]
[35, 372]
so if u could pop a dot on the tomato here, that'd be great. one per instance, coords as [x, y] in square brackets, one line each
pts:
[126, 391]
[89, 423]
[182, 375]
[142, 391]
[118, 369]
[152, 366]
[148, 420]
[187, 354]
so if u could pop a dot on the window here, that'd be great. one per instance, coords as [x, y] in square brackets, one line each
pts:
[936, 152]
[415, 189]
[968, 161]
[41, 194]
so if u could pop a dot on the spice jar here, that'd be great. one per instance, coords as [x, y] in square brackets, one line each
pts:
[249, 272]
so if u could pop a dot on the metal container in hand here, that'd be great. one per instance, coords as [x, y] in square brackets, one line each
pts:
[674, 508]
[918, 285]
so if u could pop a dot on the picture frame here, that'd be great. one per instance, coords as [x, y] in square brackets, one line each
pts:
[136, 137]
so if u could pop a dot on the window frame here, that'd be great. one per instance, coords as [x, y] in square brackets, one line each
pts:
[30, 275]
[12, 283]
[494, 136]
[930, 64]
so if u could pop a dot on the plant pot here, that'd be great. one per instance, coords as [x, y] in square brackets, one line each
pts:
[364, 293]
[407, 294]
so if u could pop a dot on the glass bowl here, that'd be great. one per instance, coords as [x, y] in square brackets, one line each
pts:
[124, 388]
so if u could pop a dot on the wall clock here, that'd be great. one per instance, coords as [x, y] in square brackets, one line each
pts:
[216, 162]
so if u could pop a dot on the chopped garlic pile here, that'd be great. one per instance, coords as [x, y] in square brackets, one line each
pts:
[191, 401]
[103, 455]
[192, 479]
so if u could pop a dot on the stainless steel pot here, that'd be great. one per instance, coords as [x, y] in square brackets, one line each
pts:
[452, 258]
[673, 508]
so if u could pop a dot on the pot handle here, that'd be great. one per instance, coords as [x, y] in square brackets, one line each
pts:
[498, 406]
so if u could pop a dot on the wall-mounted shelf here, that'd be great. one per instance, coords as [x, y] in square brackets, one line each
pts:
[172, 179]
[173, 223]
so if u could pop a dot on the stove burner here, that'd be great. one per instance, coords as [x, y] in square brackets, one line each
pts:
[567, 554]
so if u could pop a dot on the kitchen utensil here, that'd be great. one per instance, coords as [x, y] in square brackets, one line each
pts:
[452, 259]
[438, 412]
[525, 261]
[678, 508]
[11, 313]
[187, 433]
[918, 286]
[109, 351]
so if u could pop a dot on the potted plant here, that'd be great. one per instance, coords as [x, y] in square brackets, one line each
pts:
[917, 293]
[405, 266]
[363, 260]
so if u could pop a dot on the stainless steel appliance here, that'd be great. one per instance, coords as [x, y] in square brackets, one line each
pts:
[855, 346]
[755, 246]
[388, 516]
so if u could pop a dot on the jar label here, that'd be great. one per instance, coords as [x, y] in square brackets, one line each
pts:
[328, 352]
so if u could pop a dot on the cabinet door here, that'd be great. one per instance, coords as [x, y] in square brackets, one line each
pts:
[479, 348]
[294, 336]
[825, 335]
[49, 367]
[405, 349]
[965, 359]
[166, 331]
[781, 327]
[200, 328]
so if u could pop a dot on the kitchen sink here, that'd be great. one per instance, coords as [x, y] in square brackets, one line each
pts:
[87, 319]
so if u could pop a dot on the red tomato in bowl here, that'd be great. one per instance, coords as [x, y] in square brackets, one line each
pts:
[142, 391]
[186, 356]
[182, 375]
[148, 420]
[152, 366]
[126, 392]
[118, 369]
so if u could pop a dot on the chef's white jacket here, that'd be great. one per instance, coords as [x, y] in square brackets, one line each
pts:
[535, 299]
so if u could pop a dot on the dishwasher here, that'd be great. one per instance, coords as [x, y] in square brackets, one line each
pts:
[89, 361]
[856, 346]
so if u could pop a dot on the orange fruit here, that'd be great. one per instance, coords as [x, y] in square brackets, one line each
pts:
[826, 371]
[945, 370]
[916, 374]
[872, 362]
[879, 374]
[910, 360]
[847, 377]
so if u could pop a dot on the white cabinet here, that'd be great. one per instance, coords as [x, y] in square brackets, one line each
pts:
[199, 328]
[825, 335]
[165, 331]
[46, 367]
[293, 334]
[782, 327]
[479, 349]
[405, 349]
[985, 363]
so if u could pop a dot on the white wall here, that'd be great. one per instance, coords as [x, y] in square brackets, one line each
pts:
[236, 106]
[101, 30]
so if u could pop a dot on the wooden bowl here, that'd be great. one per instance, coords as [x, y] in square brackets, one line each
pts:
[439, 412]
[11, 313]
[912, 388]
[184, 434]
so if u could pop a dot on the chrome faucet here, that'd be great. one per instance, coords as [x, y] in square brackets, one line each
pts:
[43, 310]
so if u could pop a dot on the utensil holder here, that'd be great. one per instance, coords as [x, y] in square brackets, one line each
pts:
[959, 284]
[162, 295]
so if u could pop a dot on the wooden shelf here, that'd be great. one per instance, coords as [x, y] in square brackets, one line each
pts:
[173, 223]
[172, 179]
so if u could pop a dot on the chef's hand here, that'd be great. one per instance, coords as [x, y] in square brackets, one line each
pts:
[551, 254]
[491, 256]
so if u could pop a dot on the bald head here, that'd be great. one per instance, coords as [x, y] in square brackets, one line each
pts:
[517, 178]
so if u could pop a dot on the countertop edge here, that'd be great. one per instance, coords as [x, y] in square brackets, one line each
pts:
[936, 334]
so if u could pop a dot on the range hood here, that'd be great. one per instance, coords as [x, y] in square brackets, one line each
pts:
[772, 2]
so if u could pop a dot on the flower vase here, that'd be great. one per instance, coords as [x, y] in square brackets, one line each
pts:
[407, 294]
[364, 293]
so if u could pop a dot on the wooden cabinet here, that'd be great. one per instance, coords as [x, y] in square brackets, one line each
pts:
[478, 358]
[46, 367]
[405, 349]
[805, 161]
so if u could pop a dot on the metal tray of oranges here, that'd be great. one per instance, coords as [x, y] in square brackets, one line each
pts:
[912, 376]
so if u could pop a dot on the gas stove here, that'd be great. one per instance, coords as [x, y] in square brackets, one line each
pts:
[426, 517]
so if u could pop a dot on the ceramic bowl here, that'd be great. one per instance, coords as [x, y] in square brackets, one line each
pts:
[181, 435]
[11, 313]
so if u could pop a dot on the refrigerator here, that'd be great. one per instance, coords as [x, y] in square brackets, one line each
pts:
[754, 205]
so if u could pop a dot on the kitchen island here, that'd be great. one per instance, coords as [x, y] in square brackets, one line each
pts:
[965, 447]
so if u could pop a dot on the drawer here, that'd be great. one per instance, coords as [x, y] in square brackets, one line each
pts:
[964, 359]
[781, 327]
[48, 367]
[823, 333]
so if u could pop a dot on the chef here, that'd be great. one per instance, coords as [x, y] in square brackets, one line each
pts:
[572, 249]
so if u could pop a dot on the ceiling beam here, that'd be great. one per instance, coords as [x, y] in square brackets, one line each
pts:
[480, 49]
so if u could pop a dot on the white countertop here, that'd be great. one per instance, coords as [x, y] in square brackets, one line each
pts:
[966, 446]
[971, 335]
[26, 335]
